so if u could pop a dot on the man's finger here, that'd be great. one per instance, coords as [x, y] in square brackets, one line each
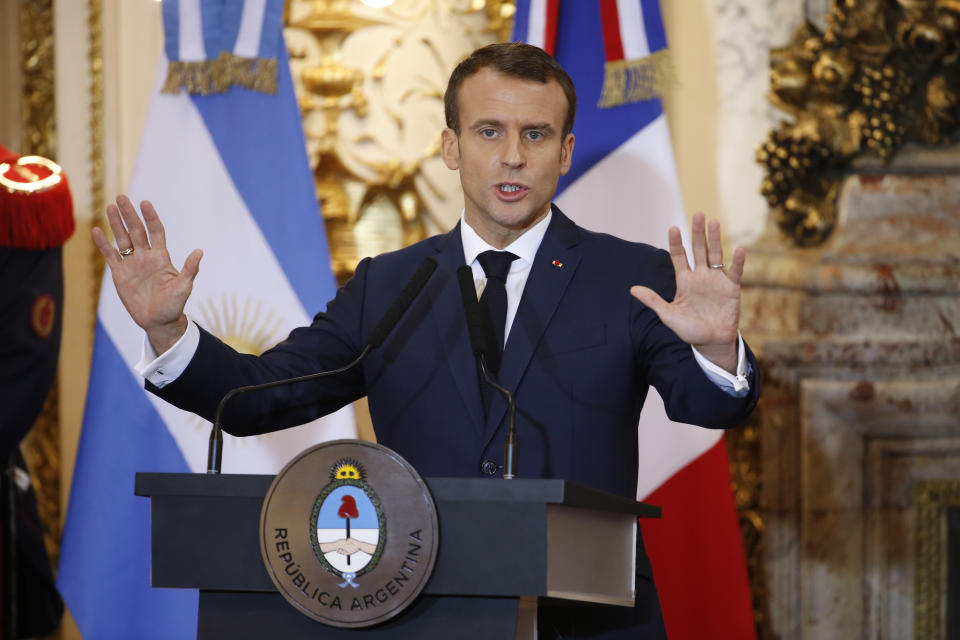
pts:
[158, 238]
[650, 298]
[106, 249]
[120, 234]
[715, 247]
[138, 234]
[736, 269]
[698, 239]
[191, 266]
[677, 254]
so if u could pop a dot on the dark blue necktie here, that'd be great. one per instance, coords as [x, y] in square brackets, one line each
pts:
[496, 265]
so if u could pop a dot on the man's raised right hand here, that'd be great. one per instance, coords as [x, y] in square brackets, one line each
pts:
[150, 287]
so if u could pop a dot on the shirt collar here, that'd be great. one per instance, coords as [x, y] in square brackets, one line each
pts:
[525, 247]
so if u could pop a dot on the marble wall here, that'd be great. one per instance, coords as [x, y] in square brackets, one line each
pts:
[861, 408]
[861, 403]
[744, 31]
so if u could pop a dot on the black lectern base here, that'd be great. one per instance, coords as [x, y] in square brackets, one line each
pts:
[231, 615]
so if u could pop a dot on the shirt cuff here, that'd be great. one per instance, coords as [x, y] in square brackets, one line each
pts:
[163, 370]
[736, 385]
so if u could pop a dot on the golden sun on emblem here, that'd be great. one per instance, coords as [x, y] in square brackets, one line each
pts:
[348, 469]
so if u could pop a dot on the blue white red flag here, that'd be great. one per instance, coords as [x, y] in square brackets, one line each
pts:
[623, 181]
[223, 159]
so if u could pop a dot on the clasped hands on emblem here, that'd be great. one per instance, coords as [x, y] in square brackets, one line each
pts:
[348, 546]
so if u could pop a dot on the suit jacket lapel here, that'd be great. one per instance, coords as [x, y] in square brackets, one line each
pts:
[451, 325]
[553, 268]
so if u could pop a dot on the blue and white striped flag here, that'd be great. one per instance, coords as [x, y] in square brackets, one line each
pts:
[223, 160]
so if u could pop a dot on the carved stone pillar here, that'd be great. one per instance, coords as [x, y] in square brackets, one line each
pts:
[861, 400]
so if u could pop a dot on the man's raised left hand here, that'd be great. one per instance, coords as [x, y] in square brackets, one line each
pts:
[705, 312]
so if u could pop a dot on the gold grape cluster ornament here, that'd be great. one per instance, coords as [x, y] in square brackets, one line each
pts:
[884, 73]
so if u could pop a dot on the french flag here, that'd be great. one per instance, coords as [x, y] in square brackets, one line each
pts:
[623, 181]
[224, 161]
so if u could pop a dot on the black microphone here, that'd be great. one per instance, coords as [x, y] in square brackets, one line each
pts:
[482, 340]
[478, 323]
[380, 332]
[404, 299]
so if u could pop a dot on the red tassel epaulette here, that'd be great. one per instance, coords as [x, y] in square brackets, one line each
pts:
[36, 210]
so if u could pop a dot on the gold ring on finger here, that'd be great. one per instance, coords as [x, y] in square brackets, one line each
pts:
[713, 266]
[127, 252]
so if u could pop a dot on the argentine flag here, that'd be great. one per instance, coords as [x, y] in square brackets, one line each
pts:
[623, 181]
[223, 159]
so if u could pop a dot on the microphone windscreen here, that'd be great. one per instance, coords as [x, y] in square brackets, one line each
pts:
[405, 298]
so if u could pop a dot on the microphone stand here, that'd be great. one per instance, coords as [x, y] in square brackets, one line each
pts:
[215, 448]
[481, 339]
[510, 446]
[377, 336]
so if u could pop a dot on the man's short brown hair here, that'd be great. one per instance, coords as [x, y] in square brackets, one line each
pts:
[514, 59]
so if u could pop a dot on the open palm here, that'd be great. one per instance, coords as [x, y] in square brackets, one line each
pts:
[153, 291]
[705, 312]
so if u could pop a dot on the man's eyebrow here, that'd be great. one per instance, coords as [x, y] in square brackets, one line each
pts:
[486, 123]
[543, 126]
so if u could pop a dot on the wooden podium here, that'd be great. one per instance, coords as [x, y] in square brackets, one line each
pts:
[503, 544]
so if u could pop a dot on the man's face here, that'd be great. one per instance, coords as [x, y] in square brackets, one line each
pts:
[510, 152]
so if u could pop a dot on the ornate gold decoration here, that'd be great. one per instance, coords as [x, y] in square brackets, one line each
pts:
[370, 85]
[97, 176]
[744, 454]
[931, 498]
[37, 68]
[41, 447]
[500, 15]
[207, 77]
[627, 81]
[884, 73]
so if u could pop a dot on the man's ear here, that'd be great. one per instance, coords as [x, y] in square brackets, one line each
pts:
[566, 154]
[450, 149]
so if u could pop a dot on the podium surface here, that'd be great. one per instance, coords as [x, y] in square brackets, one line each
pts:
[503, 543]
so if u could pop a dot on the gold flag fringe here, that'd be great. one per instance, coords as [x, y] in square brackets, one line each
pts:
[207, 77]
[627, 81]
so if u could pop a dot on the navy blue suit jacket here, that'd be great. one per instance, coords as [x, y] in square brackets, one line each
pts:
[579, 357]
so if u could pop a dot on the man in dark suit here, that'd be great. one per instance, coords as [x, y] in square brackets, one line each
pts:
[579, 351]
